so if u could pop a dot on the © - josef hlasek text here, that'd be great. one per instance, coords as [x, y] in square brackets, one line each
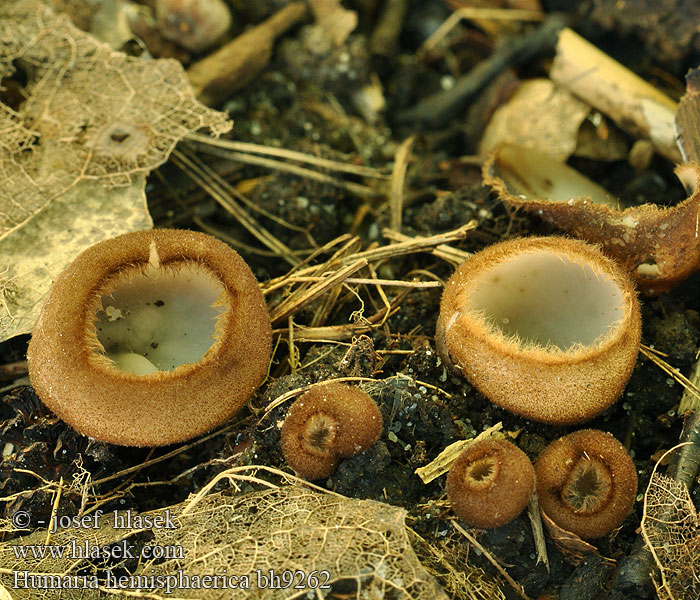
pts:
[120, 520]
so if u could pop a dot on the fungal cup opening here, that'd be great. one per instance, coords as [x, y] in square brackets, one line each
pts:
[157, 318]
[319, 434]
[481, 473]
[544, 299]
[588, 488]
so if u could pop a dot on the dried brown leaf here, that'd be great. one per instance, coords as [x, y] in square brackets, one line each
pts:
[90, 112]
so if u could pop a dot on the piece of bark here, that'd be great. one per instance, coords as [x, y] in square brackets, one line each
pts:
[233, 66]
[635, 105]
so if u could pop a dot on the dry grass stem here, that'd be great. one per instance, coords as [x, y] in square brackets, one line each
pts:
[443, 461]
[296, 302]
[322, 163]
[533, 513]
[398, 180]
[206, 179]
[358, 189]
[472, 540]
[379, 282]
[447, 253]
[691, 395]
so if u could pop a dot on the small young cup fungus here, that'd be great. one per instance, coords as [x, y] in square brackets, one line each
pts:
[151, 338]
[547, 328]
[490, 483]
[586, 482]
[327, 423]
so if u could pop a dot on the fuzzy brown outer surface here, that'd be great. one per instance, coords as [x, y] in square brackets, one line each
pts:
[553, 468]
[505, 496]
[163, 407]
[547, 385]
[358, 423]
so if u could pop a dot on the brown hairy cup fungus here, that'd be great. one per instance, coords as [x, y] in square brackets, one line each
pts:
[657, 245]
[547, 328]
[327, 423]
[586, 482]
[151, 338]
[490, 483]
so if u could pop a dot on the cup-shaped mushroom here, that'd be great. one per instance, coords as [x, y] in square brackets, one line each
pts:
[586, 482]
[151, 338]
[327, 423]
[547, 328]
[490, 483]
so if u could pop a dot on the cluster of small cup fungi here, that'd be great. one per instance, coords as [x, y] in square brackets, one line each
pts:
[168, 323]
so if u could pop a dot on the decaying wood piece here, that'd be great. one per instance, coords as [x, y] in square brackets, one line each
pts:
[659, 246]
[234, 65]
[635, 105]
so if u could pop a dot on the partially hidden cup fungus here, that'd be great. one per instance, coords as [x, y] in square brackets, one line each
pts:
[658, 245]
[547, 328]
[151, 338]
[586, 483]
[327, 423]
[490, 483]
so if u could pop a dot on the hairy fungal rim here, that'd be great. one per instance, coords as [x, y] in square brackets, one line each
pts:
[565, 382]
[319, 434]
[217, 303]
[98, 399]
[589, 486]
[578, 254]
[482, 473]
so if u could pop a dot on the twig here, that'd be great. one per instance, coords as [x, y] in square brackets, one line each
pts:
[233, 66]
[497, 14]
[439, 109]
[386, 34]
